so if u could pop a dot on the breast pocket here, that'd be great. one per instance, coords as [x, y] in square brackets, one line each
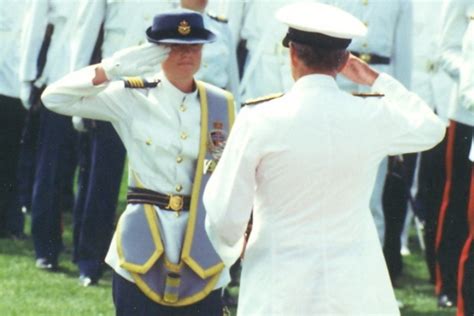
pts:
[149, 138]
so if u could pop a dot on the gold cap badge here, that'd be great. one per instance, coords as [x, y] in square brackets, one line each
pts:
[184, 28]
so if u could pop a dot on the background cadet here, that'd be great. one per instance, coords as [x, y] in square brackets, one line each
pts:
[113, 25]
[388, 48]
[164, 263]
[219, 59]
[312, 228]
[267, 69]
[47, 33]
[432, 85]
[452, 229]
[12, 116]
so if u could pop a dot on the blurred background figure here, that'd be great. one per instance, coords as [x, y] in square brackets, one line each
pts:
[434, 86]
[452, 231]
[12, 116]
[103, 27]
[44, 59]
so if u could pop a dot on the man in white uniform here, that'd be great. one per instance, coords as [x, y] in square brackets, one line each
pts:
[314, 249]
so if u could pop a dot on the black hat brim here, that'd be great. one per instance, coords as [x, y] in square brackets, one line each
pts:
[199, 36]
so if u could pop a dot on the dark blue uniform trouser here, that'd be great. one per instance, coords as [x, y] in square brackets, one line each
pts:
[12, 118]
[102, 159]
[130, 301]
[395, 202]
[431, 178]
[55, 135]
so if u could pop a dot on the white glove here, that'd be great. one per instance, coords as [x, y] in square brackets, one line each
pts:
[467, 101]
[135, 60]
[25, 94]
[78, 124]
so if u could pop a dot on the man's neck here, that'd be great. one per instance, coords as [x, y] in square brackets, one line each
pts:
[307, 71]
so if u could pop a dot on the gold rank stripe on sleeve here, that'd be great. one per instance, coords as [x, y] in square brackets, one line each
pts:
[368, 95]
[139, 83]
[263, 99]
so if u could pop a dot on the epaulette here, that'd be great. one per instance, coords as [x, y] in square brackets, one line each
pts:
[368, 95]
[139, 83]
[218, 18]
[263, 99]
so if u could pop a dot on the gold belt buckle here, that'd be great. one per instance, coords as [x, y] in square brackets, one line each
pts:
[366, 57]
[175, 203]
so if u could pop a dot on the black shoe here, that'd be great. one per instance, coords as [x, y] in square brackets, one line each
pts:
[45, 264]
[87, 281]
[444, 301]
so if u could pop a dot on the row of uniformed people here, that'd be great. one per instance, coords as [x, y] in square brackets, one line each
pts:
[266, 68]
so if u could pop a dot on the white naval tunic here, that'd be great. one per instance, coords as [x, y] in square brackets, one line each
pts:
[59, 13]
[429, 81]
[11, 22]
[306, 164]
[457, 53]
[219, 59]
[124, 21]
[160, 129]
[267, 68]
[389, 34]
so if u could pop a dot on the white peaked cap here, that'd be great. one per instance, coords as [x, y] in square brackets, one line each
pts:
[321, 18]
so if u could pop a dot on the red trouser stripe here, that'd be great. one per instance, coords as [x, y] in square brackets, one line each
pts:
[466, 249]
[445, 200]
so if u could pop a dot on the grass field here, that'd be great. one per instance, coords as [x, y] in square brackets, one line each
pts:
[25, 291]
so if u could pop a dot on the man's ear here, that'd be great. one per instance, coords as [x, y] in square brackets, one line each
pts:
[346, 59]
[293, 57]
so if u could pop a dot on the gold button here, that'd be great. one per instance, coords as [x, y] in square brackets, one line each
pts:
[183, 108]
[365, 2]
[184, 135]
[179, 159]
[179, 187]
[140, 42]
[365, 45]
[148, 142]
[366, 23]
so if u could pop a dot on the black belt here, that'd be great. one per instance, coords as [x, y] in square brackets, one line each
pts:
[372, 59]
[171, 202]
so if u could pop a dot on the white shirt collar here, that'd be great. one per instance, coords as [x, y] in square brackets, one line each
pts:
[174, 92]
[315, 80]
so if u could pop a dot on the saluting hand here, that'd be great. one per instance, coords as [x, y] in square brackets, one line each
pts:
[359, 72]
[135, 61]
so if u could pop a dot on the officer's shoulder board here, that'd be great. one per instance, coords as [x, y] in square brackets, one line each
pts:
[262, 99]
[218, 18]
[368, 95]
[139, 83]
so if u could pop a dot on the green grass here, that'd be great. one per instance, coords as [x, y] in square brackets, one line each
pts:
[24, 290]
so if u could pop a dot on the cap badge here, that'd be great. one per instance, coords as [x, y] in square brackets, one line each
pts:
[184, 28]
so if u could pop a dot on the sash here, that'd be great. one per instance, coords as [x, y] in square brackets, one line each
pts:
[139, 245]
